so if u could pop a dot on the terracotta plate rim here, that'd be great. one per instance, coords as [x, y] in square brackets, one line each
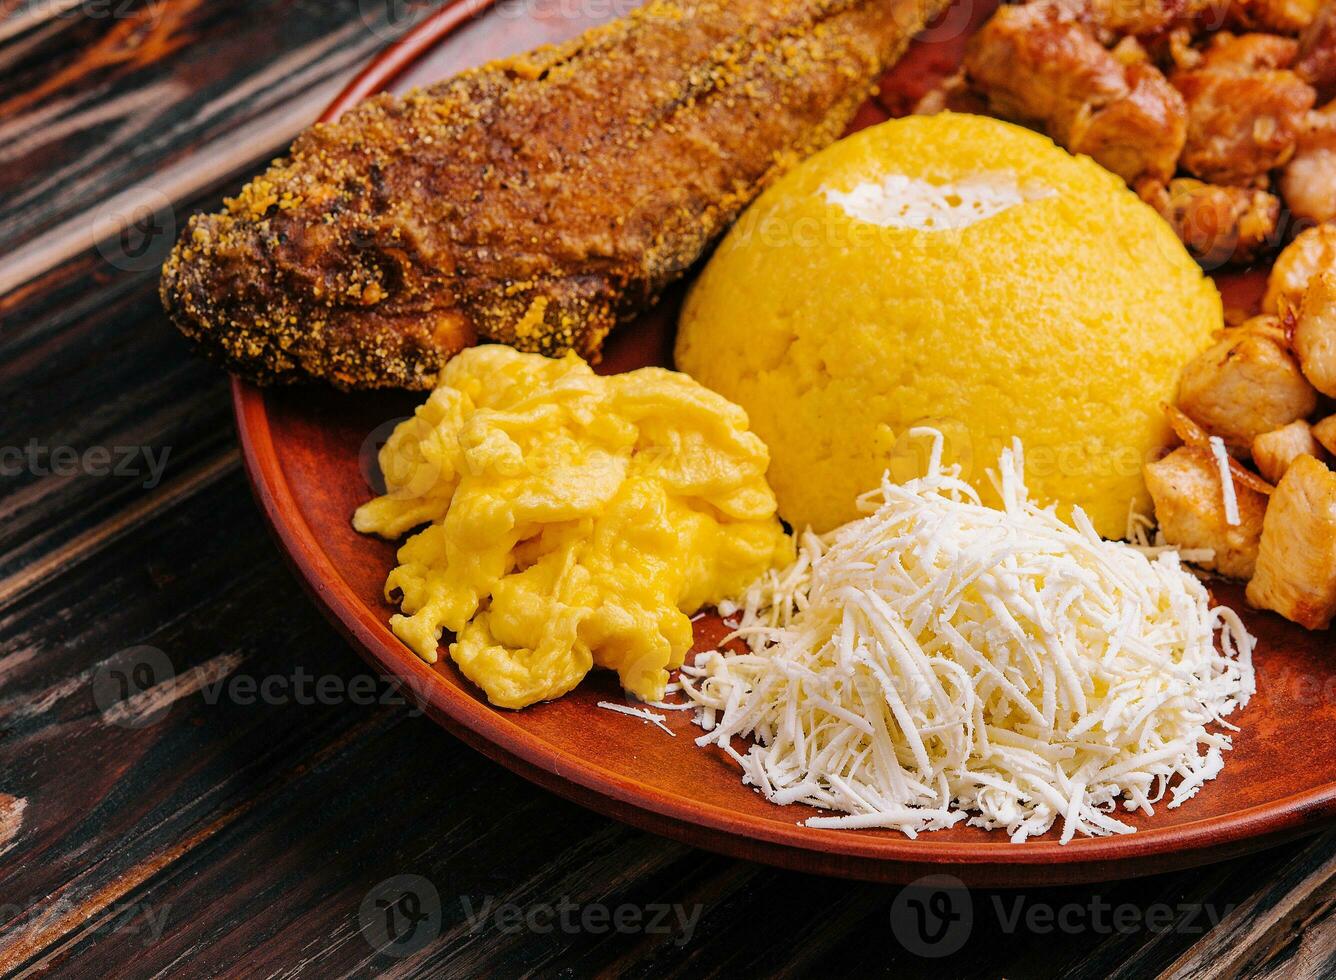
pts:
[706, 824]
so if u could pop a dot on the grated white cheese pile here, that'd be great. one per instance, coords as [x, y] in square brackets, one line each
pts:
[940, 661]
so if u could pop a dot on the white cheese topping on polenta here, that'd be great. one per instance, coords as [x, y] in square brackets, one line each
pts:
[897, 201]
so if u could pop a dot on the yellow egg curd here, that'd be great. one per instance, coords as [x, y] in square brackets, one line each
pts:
[573, 520]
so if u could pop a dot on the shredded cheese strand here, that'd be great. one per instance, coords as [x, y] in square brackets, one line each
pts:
[939, 661]
[1231, 499]
[644, 714]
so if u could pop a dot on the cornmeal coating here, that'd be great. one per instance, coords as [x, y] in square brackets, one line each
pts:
[537, 201]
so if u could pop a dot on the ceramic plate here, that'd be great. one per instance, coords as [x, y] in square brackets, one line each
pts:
[310, 454]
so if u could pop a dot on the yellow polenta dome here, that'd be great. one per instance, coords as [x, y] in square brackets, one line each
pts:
[959, 272]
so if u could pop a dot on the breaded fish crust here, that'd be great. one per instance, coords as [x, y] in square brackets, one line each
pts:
[536, 201]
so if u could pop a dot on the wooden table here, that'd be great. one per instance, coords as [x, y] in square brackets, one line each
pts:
[274, 809]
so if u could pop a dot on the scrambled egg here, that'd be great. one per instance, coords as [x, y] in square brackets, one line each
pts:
[574, 520]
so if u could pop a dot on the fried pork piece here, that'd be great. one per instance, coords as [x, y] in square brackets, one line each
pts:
[1190, 509]
[1114, 19]
[537, 201]
[1281, 16]
[1129, 51]
[1178, 49]
[952, 95]
[1314, 335]
[1317, 52]
[1245, 384]
[1309, 180]
[1274, 451]
[1038, 64]
[1217, 223]
[1139, 135]
[1325, 434]
[1245, 114]
[1296, 562]
[1242, 54]
[1313, 251]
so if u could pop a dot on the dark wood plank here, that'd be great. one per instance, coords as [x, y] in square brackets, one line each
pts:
[1285, 928]
[119, 109]
[104, 411]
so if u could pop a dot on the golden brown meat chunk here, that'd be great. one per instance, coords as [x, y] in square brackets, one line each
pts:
[1274, 451]
[1190, 509]
[1114, 19]
[1317, 52]
[1309, 180]
[1313, 251]
[952, 95]
[1245, 384]
[1217, 223]
[1037, 62]
[1039, 65]
[1129, 51]
[537, 201]
[1296, 562]
[1325, 434]
[1242, 54]
[1140, 135]
[1281, 16]
[1314, 334]
[1244, 115]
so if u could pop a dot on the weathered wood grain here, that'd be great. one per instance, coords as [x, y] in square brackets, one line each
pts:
[117, 106]
[236, 836]
[179, 428]
[1285, 927]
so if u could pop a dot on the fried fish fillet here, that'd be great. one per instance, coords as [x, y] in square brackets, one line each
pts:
[536, 201]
